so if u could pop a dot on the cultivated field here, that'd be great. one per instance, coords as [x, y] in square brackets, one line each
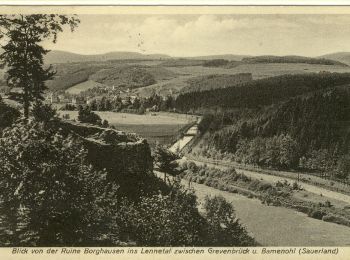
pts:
[76, 89]
[155, 127]
[259, 70]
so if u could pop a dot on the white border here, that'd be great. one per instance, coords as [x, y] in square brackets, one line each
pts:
[178, 2]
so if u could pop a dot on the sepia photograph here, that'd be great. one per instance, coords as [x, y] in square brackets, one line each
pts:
[126, 127]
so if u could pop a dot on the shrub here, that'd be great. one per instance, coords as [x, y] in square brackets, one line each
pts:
[328, 204]
[316, 213]
[264, 186]
[105, 124]
[85, 115]
[201, 180]
[59, 199]
[163, 220]
[224, 227]
[296, 186]
[336, 219]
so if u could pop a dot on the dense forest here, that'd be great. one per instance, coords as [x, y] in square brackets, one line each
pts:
[306, 132]
[209, 82]
[291, 59]
[258, 93]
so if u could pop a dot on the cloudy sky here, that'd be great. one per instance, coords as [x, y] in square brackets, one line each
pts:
[191, 35]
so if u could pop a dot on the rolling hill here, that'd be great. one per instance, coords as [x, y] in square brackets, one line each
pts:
[57, 56]
[338, 56]
[292, 59]
[230, 57]
[67, 57]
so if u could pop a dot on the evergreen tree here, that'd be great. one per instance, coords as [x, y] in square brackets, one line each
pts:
[23, 54]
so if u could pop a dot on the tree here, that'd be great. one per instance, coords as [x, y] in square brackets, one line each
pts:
[170, 219]
[43, 112]
[7, 115]
[105, 124]
[21, 36]
[224, 227]
[85, 115]
[343, 167]
[165, 161]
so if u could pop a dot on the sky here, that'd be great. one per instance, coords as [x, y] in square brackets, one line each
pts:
[195, 35]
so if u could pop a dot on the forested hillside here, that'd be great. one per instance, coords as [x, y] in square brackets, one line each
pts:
[291, 59]
[306, 132]
[216, 81]
[108, 73]
[261, 92]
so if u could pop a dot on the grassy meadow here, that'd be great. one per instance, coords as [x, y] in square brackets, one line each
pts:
[158, 127]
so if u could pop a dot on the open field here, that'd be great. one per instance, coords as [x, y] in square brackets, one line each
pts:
[155, 127]
[259, 70]
[76, 89]
[277, 226]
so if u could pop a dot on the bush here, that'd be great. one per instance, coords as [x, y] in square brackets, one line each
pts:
[53, 197]
[85, 115]
[163, 220]
[224, 229]
[105, 124]
[336, 219]
[296, 186]
[264, 186]
[316, 213]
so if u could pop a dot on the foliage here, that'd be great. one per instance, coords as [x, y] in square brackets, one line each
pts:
[307, 133]
[291, 59]
[215, 63]
[124, 76]
[23, 53]
[211, 82]
[85, 115]
[53, 197]
[8, 115]
[343, 167]
[164, 220]
[225, 228]
[261, 92]
[172, 219]
[165, 160]
[43, 112]
[63, 81]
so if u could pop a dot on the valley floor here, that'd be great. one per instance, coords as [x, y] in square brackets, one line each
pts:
[278, 226]
[319, 191]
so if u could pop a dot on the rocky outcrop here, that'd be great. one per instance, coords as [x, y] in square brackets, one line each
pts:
[125, 156]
